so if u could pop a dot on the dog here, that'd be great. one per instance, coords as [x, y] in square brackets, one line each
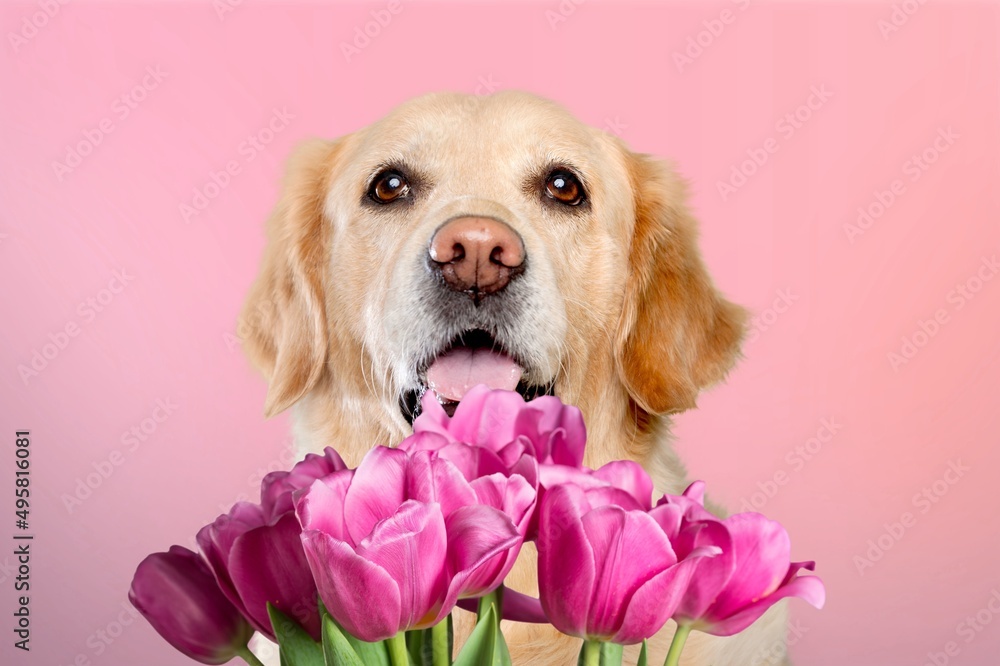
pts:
[465, 239]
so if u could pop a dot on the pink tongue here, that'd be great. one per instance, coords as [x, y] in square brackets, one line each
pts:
[452, 374]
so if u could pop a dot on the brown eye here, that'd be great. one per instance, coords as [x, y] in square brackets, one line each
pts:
[389, 186]
[564, 187]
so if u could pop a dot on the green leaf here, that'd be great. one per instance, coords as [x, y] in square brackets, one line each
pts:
[371, 654]
[486, 645]
[296, 647]
[643, 657]
[337, 650]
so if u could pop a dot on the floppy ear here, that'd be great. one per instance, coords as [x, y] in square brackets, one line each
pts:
[677, 334]
[283, 323]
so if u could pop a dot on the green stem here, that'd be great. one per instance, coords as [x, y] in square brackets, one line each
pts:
[441, 655]
[246, 655]
[398, 656]
[591, 653]
[496, 598]
[680, 637]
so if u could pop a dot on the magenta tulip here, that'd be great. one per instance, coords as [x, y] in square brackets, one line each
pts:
[544, 427]
[732, 591]
[396, 543]
[176, 592]
[607, 570]
[277, 487]
[256, 553]
[625, 475]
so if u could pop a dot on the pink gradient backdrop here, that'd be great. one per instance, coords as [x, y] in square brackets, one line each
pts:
[169, 334]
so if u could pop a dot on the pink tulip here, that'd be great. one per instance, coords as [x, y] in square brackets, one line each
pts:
[177, 593]
[394, 544]
[277, 487]
[256, 553]
[544, 427]
[627, 476]
[607, 570]
[732, 591]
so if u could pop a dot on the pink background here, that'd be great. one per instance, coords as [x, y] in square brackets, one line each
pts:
[169, 334]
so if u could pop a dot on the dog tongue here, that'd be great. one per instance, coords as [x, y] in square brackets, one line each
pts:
[452, 374]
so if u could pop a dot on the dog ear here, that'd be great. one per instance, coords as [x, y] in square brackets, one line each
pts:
[678, 334]
[283, 324]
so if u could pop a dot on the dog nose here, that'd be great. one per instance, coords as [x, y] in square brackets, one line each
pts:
[477, 255]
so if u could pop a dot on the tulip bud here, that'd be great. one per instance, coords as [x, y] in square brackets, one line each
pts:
[177, 593]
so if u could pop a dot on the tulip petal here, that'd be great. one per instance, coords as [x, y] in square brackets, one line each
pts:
[616, 537]
[432, 418]
[277, 487]
[377, 490]
[426, 440]
[713, 574]
[513, 495]
[696, 492]
[216, 542]
[267, 565]
[566, 568]
[432, 479]
[629, 476]
[517, 607]
[176, 592]
[658, 598]
[762, 549]
[321, 506]
[465, 457]
[483, 544]
[808, 588]
[557, 430]
[359, 594]
[411, 546]
[486, 417]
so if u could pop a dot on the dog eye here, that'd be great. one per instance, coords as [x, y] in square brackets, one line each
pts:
[388, 186]
[565, 188]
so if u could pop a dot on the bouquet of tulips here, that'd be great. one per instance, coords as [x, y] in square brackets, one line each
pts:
[363, 567]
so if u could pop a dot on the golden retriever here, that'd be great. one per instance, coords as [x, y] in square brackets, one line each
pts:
[465, 239]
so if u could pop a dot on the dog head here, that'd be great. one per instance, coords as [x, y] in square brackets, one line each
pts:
[498, 240]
